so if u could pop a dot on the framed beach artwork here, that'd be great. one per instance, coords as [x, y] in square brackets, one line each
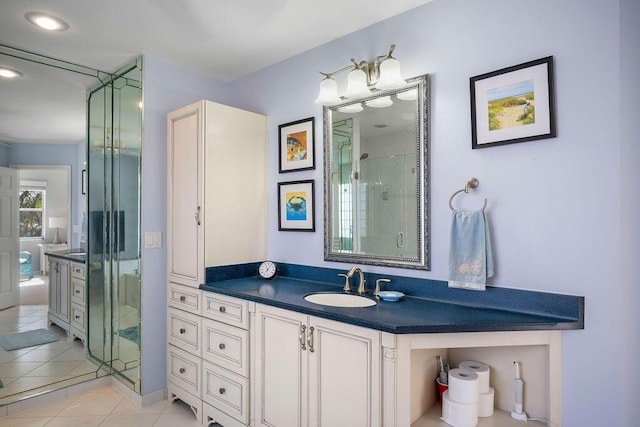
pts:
[295, 206]
[297, 145]
[514, 104]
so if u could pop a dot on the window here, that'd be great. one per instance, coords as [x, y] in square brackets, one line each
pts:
[31, 212]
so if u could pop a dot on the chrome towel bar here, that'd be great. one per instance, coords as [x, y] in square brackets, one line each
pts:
[472, 183]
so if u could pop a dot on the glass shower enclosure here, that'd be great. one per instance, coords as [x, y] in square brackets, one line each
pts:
[114, 152]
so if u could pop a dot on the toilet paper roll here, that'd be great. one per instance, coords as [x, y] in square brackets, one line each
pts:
[463, 385]
[483, 372]
[458, 414]
[485, 403]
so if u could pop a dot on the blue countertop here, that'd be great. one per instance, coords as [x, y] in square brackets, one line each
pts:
[69, 254]
[427, 308]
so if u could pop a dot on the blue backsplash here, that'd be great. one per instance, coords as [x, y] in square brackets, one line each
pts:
[532, 302]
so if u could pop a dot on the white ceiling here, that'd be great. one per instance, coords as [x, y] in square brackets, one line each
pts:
[223, 39]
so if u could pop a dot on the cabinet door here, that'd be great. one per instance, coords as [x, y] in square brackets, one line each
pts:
[185, 244]
[54, 285]
[281, 366]
[63, 291]
[344, 375]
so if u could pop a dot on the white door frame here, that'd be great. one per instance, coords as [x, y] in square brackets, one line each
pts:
[9, 238]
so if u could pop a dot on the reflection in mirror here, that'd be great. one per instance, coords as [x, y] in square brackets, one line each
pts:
[47, 105]
[376, 188]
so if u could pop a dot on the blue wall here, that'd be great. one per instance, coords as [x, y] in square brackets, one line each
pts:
[166, 87]
[562, 210]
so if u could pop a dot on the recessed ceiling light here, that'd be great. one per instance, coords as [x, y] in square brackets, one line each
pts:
[9, 73]
[47, 22]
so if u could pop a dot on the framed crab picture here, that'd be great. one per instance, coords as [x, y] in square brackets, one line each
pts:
[295, 206]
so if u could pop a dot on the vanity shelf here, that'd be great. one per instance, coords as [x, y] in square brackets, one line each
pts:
[499, 418]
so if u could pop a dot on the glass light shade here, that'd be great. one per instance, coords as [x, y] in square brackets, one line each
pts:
[357, 85]
[382, 102]
[328, 93]
[390, 77]
[408, 95]
[353, 108]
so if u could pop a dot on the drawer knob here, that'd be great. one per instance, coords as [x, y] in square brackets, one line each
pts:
[77, 317]
[183, 330]
[222, 390]
[183, 298]
[221, 346]
[77, 291]
[182, 370]
[223, 309]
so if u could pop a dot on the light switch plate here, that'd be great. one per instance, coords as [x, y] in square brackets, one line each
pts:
[152, 239]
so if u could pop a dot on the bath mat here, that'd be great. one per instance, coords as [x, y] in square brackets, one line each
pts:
[27, 339]
[131, 333]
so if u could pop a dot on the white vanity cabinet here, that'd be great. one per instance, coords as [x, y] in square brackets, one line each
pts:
[216, 215]
[217, 195]
[314, 372]
[59, 292]
[78, 314]
[67, 297]
[184, 353]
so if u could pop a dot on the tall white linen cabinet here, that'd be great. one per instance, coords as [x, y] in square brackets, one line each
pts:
[216, 215]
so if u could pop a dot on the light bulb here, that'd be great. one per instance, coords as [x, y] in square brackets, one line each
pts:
[46, 22]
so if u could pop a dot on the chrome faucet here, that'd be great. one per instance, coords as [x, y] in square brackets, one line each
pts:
[350, 273]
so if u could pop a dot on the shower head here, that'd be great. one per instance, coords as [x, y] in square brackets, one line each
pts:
[364, 156]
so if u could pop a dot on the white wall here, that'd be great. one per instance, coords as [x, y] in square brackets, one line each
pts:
[554, 205]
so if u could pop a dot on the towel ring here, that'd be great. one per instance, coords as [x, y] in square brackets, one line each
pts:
[472, 183]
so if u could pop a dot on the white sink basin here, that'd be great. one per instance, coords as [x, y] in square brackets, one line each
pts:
[339, 300]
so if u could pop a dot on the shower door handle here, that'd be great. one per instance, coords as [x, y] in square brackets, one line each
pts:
[400, 239]
[197, 215]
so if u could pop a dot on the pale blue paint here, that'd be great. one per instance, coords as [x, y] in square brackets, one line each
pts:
[562, 210]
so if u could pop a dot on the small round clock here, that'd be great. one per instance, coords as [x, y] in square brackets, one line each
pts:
[267, 270]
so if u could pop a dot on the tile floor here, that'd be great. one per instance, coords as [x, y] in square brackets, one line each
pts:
[29, 368]
[104, 407]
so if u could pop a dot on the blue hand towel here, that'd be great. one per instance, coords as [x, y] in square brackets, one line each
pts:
[470, 258]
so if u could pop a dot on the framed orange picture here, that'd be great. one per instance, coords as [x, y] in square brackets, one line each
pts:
[297, 147]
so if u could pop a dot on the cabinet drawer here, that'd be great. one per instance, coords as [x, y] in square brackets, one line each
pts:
[78, 316]
[77, 270]
[226, 391]
[185, 370]
[184, 330]
[229, 310]
[78, 290]
[226, 346]
[185, 298]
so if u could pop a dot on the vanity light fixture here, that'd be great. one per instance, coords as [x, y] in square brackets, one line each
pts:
[9, 73]
[381, 74]
[46, 22]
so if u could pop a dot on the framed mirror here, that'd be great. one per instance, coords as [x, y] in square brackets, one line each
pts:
[376, 178]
